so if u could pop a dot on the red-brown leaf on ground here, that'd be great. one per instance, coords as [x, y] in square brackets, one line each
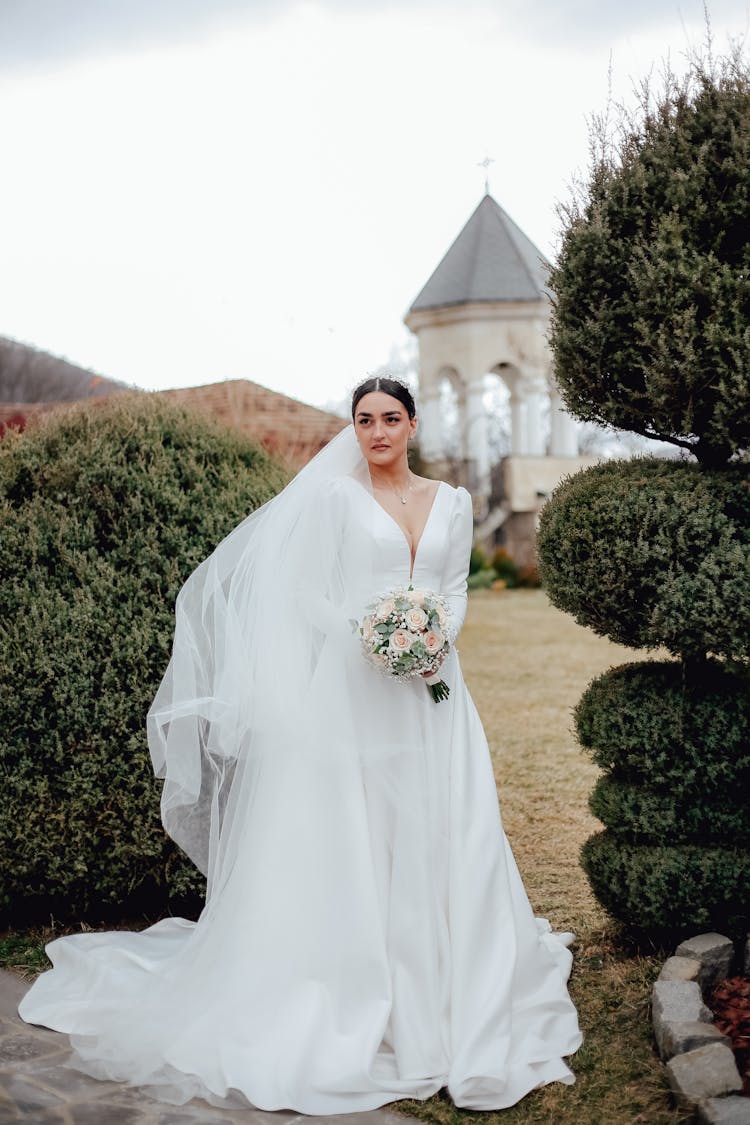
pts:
[730, 1004]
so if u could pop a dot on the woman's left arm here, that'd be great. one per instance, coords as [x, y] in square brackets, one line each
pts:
[456, 570]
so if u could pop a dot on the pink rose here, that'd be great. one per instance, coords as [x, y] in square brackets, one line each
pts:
[433, 641]
[386, 607]
[441, 614]
[400, 640]
[416, 597]
[416, 619]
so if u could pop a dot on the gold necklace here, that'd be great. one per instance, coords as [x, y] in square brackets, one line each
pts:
[402, 498]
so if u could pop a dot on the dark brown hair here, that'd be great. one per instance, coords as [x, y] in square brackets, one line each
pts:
[388, 387]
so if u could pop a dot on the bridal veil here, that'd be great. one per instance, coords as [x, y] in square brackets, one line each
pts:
[250, 623]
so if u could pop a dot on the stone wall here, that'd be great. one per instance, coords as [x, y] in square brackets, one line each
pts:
[701, 1068]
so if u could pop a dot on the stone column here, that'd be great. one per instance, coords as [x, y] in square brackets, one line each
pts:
[462, 423]
[477, 445]
[517, 423]
[430, 427]
[564, 438]
[535, 444]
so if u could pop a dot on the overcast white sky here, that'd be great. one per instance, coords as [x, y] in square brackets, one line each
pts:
[197, 190]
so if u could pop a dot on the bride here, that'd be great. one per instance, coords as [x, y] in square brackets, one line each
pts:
[366, 936]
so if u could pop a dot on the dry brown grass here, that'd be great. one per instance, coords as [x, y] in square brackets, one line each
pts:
[527, 665]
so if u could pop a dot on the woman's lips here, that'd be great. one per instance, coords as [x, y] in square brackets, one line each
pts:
[380, 447]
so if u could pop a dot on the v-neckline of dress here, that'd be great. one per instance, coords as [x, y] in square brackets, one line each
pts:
[394, 521]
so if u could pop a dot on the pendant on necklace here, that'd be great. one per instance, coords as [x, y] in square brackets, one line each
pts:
[402, 499]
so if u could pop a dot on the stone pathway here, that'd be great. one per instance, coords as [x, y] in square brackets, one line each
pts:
[36, 1089]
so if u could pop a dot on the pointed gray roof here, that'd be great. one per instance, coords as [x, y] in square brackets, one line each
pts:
[490, 260]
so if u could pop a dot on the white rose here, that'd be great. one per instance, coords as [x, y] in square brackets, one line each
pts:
[416, 597]
[400, 640]
[433, 641]
[441, 614]
[416, 619]
[386, 607]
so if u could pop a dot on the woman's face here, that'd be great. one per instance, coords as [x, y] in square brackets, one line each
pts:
[383, 428]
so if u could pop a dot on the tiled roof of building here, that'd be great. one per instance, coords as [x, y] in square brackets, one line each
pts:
[490, 260]
[290, 430]
[287, 428]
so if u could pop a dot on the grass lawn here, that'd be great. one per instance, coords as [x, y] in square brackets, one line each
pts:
[526, 665]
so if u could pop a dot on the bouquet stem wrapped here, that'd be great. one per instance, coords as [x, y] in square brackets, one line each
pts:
[437, 687]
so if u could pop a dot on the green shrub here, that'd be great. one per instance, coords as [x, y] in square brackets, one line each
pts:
[651, 552]
[652, 283]
[481, 579]
[673, 888]
[504, 567]
[643, 814]
[651, 292]
[657, 724]
[478, 560]
[104, 512]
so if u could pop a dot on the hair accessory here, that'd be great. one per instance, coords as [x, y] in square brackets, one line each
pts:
[384, 375]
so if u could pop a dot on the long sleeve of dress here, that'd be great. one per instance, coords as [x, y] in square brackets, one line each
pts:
[455, 573]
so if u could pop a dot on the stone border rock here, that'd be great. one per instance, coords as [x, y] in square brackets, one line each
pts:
[702, 1072]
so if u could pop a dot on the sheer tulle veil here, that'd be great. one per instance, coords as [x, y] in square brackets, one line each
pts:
[250, 623]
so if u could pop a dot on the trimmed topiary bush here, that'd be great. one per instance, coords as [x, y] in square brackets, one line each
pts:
[650, 334]
[650, 553]
[674, 740]
[652, 284]
[662, 724]
[652, 813]
[659, 889]
[104, 512]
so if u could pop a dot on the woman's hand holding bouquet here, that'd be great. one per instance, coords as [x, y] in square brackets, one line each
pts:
[406, 634]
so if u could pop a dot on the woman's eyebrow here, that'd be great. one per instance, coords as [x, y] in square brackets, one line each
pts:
[385, 414]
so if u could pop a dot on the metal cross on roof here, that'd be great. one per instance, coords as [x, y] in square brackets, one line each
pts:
[486, 165]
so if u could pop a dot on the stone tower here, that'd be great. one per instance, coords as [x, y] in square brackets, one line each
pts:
[485, 310]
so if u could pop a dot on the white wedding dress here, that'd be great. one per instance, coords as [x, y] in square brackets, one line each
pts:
[370, 939]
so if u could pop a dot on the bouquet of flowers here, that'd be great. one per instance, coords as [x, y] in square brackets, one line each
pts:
[406, 633]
